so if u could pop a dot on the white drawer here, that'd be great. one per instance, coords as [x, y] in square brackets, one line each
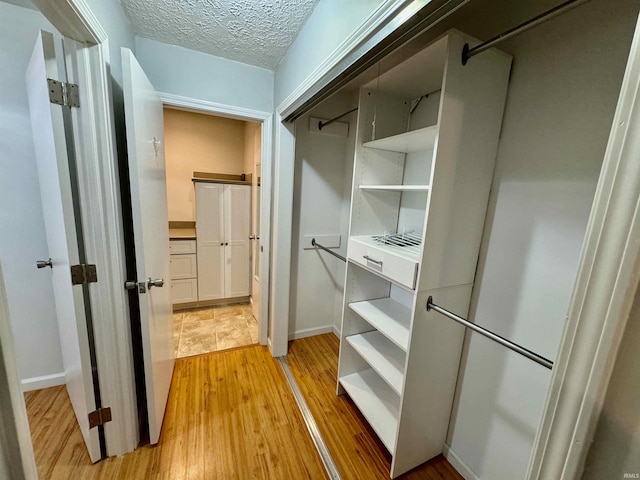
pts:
[183, 266]
[388, 261]
[179, 247]
[184, 291]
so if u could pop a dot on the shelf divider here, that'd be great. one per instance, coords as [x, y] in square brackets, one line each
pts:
[383, 356]
[409, 142]
[377, 402]
[389, 317]
[396, 188]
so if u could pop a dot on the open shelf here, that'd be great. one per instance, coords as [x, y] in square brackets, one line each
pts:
[377, 402]
[396, 188]
[409, 142]
[410, 252]
[383, 356]
[390, 318]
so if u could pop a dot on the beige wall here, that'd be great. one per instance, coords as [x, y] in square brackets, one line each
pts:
[198, 143]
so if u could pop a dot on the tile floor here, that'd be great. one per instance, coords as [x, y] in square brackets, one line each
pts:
[209, 329]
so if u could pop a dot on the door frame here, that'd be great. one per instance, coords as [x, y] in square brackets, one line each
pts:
[17, 459]
[266, 158]
[603, 293]
[101, 217]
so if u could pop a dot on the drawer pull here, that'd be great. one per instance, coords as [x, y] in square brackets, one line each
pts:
[367, 257]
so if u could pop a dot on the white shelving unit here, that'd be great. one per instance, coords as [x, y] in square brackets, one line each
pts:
[428, 172]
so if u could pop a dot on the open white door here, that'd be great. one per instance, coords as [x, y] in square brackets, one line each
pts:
[145, 146]
[255, 237]
[64, 239]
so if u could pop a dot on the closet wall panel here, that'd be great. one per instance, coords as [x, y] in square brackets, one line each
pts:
[564, 87]
[322, 196]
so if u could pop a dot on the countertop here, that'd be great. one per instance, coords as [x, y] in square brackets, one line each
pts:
[182, 234]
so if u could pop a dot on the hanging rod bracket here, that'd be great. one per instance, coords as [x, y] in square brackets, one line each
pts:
[539, 359]
[465, 54]
[322, 247]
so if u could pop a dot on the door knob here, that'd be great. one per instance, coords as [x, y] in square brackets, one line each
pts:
[158, 282]
[252, 237]
[44, 263]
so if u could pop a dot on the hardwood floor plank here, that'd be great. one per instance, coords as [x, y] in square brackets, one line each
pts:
[355, 448]
[230, 415]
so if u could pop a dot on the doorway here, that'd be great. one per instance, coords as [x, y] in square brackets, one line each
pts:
[213, 204]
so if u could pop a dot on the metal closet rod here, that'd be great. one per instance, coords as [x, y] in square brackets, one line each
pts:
[467, 52]
[539, 359]
[329, 122]
[322, 247]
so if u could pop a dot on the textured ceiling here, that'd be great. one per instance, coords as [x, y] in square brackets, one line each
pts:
[257, 32]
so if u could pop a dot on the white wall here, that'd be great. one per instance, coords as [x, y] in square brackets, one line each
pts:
[561, 101]
[114, 21]
[616, 447]
[22, 233]
[188, 73]
[322, 195]
[331, 22]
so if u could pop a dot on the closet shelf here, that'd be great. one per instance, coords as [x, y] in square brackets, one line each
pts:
[389, 317]
[397, 188]
[383, 356]
[409, 142]
[377, 402]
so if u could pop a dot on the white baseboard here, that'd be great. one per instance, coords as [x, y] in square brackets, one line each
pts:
[455, 460]
[45, 381]
[336, 331]
[310, 332]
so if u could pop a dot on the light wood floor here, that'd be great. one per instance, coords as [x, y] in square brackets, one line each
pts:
[231, 416]
[354, 446]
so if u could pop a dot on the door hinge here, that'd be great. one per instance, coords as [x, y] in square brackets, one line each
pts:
[99, 417]
[62, 93]
[83, 274]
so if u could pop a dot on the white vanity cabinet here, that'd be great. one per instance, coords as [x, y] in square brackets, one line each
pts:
[183, 265]
[426, 143]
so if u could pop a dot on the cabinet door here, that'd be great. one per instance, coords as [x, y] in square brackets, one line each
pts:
[237, 246]
[183, 266]
[184, 291]
[210, 238]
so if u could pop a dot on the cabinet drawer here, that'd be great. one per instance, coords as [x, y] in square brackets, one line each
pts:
[179, 247]
[183, 266]
[184, 291]
[387, 261]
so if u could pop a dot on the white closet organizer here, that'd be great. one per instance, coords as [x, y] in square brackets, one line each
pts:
[223, 221]
[426, 177]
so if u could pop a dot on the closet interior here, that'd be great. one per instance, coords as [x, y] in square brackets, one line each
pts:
[471, 184]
